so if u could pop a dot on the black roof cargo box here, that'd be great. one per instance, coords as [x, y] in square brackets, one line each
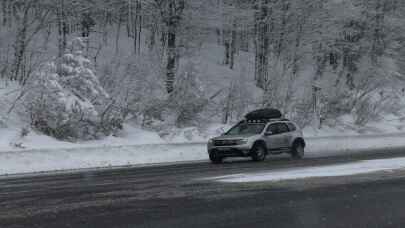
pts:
[266, 113]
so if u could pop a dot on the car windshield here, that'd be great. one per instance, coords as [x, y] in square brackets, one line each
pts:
[246, 129]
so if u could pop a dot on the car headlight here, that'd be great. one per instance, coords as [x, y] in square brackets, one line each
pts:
[210, 142]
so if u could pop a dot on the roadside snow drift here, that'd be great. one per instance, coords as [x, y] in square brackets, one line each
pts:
[97, 157]
[353, 168]
[57, 159]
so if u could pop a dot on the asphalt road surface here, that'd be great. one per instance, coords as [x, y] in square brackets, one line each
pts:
[178, 196]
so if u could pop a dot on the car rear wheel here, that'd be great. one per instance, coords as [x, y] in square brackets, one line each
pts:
[258, 152]
[298, 151]
[215, 158]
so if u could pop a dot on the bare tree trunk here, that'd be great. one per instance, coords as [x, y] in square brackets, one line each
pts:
[233, 47]
[61, 34]
[105, 27]
[152, 38]
[285, 9]
[20, 45]
[378, 33]
[47, 36]
[117, 36]
[129, 19]
[171, 57]
[227, 108]
[139, 14]
[7, 12]
[134, 26]
[227, 45]
[219, 35]
[262, 44]
[61, 28]
[295, 66]
[175, 10]
[4, 5]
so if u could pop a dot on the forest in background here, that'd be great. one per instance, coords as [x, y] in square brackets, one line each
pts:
[80, 69]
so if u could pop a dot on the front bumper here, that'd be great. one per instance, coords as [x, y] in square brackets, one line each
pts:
[230, 151]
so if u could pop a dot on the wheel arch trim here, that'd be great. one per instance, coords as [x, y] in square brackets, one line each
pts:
[299, 140]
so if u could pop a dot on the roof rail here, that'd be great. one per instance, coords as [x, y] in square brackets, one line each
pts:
[266, 120]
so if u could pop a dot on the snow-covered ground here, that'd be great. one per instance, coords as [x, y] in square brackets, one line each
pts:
[31, 151]
[39, 160]
[11, 139]
[353, 168]
[29, 161]
[345, 126]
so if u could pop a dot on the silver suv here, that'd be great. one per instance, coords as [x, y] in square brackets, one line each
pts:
[256, 139]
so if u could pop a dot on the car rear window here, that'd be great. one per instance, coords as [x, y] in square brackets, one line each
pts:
[291, 126]
[278, 128]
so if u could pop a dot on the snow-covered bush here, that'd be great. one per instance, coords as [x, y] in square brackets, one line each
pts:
[65, 99]
[340, 103]
[374, 106]
[182, 108]
[188, 100]
[135, 82]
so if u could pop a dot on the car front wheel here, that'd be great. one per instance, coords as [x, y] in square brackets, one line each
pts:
[258, 152]
[215, 158]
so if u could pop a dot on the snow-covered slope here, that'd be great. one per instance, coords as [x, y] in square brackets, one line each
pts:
[40, 160]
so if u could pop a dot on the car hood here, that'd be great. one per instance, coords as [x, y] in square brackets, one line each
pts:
[233, 137]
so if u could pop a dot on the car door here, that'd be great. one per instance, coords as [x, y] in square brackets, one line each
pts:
[285, 135]
[273, 137]
[292, 134]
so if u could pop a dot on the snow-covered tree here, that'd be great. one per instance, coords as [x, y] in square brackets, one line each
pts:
[65, 99]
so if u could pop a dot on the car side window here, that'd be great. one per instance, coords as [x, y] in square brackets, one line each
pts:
[273, 128]
[277, 128]
[291, 127]
[282, 128]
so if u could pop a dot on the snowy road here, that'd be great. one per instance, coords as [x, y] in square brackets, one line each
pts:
[177, 196]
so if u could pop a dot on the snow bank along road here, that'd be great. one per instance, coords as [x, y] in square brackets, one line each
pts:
[178, 196]
[353, 168]
[29, 161]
